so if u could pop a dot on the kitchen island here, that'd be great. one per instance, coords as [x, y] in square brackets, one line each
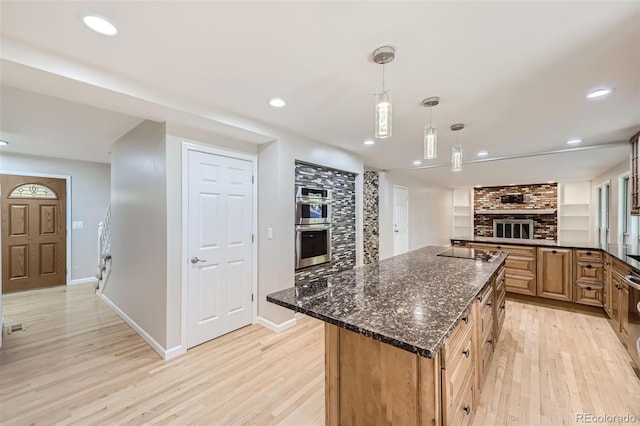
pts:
[404, 337]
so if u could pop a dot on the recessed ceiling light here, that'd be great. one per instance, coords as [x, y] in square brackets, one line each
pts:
[417, 163]
[277, 102]
[369, 142]
[483, 153]
[599, 93]
[100, 25]
[574, 141]
[3, 143]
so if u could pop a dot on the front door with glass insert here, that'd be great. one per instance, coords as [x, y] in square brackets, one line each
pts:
[34, 232]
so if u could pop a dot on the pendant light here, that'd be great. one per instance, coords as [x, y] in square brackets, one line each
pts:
[456, 151]
[383, 124]
[430, 133]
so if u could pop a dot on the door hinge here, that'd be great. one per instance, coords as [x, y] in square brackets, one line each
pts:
[253, 179]
[252, 297]
[252, 238]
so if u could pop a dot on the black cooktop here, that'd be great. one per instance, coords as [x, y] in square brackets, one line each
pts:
[469, 253]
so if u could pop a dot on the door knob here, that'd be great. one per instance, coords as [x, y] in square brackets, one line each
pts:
[196, 260]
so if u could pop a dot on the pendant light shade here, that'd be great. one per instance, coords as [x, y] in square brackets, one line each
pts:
[430, 138]
[456, 151]
[383, 109]
[430, 143]
[384, 119]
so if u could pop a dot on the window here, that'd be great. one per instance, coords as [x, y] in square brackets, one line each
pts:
[33, 190]
[628, 224]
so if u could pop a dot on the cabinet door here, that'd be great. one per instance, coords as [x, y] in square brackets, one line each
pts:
[624, 311]
[555, 273]
[616, 284]
[606, 294]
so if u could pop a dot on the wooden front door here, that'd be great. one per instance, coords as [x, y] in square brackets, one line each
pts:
[34, 232]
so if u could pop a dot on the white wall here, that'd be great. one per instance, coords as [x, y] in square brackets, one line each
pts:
[90, 183]
[612, 176]
[430, 212]
[138, 282]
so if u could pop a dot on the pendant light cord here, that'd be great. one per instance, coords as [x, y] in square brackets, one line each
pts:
[383, 78]
[430, 116]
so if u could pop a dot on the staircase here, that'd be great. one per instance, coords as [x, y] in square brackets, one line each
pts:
[104, 251]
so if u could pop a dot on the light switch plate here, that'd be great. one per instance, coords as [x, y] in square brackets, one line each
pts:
[77, 224]
[270, 233]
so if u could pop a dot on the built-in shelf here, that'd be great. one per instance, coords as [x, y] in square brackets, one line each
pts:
[463, 212]
[574, 205]
[524, 211]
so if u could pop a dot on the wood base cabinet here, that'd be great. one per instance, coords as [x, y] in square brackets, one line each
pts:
[520, 276]
[555, 278]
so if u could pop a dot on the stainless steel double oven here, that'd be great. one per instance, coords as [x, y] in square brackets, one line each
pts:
[313, 226]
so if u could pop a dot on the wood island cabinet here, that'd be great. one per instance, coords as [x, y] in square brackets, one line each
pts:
[555, 278]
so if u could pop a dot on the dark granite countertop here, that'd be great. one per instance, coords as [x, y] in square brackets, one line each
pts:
[619, 251]
[411, 301]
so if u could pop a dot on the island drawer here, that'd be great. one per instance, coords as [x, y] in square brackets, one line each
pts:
[486, 313]
[462, 332]
[460, 412]
[500, 276]
[486, 354]
[589, 255]
[589, 294]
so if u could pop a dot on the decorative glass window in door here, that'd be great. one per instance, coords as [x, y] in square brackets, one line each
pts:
[33, 190]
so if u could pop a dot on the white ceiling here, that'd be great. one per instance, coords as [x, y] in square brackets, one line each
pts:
[515, 73]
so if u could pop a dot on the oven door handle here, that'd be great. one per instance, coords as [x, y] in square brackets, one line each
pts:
[313, 200]
[633, 281]
[302, 228]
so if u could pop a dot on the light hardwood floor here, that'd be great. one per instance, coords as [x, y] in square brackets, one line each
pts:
[78, 363]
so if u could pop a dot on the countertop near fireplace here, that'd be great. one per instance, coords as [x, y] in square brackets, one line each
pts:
[619, 251]
[411, 301]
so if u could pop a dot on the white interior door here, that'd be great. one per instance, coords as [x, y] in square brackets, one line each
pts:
[400, 220]
[220, 212]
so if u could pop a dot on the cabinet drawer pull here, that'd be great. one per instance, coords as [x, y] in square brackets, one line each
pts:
[554, 251]
[467, 409]
[588, 253]
[479, 298]
[502, 307]
[466, 353]
[489, 304]
[498, 247]
[465, 319]
[588, 288]
[490, 341]
[589, 266]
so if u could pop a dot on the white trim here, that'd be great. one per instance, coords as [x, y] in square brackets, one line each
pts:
[146, 336]
[69, 213]
[276, 327]
[87, 280]
[174, 352]
[194, 146]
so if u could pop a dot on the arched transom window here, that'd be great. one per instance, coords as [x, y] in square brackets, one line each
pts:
[33, 190]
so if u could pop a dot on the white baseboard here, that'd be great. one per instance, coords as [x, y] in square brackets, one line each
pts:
[146, 336]
[299, 315]
[174, 352]
[276, 327]
[92, 280]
